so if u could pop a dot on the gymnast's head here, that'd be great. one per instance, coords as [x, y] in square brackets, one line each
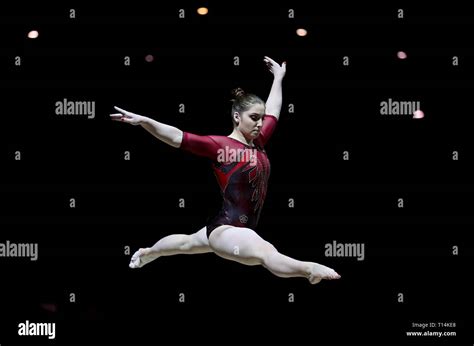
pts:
[247, 113]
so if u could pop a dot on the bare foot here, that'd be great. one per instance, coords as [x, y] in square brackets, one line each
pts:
[320, 272]
[142, 257]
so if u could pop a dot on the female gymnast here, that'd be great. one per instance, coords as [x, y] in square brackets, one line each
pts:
[242, 169]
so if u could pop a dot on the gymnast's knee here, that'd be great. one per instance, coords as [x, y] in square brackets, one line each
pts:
[266, 252]
[188, 242]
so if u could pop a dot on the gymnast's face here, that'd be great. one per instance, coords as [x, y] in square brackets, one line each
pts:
[250, 122]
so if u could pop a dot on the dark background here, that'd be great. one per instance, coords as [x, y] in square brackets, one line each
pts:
[134, 203]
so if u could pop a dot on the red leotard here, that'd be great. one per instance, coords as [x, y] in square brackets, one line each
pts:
[242, 172]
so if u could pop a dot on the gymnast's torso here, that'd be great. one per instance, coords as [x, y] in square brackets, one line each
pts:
[242, 172]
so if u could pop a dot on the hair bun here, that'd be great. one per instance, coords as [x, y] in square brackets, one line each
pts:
[238, 92]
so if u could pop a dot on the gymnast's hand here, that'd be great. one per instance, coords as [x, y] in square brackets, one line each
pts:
[277, 70]
[127, 117]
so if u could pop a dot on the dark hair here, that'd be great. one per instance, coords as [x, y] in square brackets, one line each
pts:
[242, 101]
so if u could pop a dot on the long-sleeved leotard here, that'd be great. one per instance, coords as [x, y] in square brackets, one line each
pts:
[242, 172]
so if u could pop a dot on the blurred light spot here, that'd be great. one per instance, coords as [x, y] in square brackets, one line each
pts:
[301, 32]
[33, 34]
[418, 114]
[49, 307]
[401, 55]
[149, 58]
[202, 11]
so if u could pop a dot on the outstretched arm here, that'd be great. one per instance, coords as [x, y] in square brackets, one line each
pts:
[165, 133]
[274, 101]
